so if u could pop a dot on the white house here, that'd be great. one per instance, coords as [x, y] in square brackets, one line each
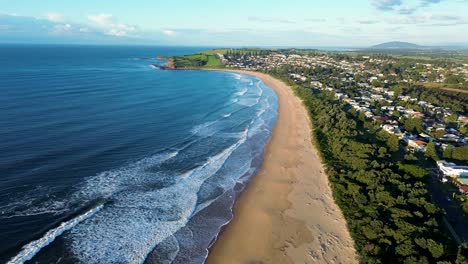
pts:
[453, 170]
[392, 129]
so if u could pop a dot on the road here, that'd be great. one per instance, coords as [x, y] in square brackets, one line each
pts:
[454, 215]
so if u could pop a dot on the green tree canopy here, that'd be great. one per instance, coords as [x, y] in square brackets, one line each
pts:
[460, 153]
[431, 151]
[447, 152]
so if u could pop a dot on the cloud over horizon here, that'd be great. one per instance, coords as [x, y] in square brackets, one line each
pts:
[111, 25]
[55, 17]
[403, 7]
[327, 23]
[386, 5]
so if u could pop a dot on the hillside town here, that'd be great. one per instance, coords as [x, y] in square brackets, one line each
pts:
[372, 86]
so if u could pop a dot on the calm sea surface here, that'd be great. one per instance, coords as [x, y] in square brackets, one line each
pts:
[105, 159]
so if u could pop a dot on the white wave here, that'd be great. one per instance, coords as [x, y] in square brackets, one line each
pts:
[249, 102]
[110, 182]
[203, 129]
[227, 115]
[242, 92]
[34, 202]
[31, 249]
[260, 89]
[39, 202]
[137, 220]
[232, 173]
[261, 112]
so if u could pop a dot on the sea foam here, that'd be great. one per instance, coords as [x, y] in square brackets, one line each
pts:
[137, 219]
[31, 249]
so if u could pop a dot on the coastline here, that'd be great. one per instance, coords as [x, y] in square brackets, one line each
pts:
[287, 213]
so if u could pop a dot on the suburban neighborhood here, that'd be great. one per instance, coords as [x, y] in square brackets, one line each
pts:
[379, 88]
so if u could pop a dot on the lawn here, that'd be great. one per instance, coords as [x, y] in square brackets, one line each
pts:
[198, 60]
[444, 86]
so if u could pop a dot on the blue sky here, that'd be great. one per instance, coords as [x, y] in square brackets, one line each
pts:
[235, 23]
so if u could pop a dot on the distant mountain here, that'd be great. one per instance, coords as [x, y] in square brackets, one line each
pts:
[397, 45]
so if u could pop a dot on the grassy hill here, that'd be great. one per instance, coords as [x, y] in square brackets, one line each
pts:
[198, 60]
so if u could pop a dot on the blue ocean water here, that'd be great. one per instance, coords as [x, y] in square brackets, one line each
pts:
[104, 159]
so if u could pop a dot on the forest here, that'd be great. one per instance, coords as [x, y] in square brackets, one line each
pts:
[457, 101]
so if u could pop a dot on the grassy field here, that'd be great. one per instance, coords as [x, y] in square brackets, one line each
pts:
[444, 86]
[215, 51]
[200, 60]
[213, 61]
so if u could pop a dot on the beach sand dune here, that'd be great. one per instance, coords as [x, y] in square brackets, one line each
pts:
[287, 213]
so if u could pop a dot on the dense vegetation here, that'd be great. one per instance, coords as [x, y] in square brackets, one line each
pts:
[384, 198]
[197, 61]
[456, 101]
[241, 52]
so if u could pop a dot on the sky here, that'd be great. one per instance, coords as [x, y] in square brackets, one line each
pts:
[298, 23]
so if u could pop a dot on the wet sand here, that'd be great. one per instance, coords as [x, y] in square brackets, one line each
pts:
[287, 213]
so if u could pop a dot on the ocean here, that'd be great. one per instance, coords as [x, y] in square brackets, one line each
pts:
[106, 159]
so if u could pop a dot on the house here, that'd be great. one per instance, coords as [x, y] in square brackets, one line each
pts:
[381, 118]
[390, 93]
[316, 83]
[463, 119]
[463, 189]
[451, 138]
[416, 144]
[388, 108]
[425, 136]
[340, 96]
[417, 114]
[452, 170]
[392, 129]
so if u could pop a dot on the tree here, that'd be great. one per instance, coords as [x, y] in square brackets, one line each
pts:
[397, 90]
[447, 152]
[431, 151]
[413, 125]
[405, 249]
[462, 256]
[393, 143]
[460, 153]
[436, 249]
[439, 133]
[451, 118]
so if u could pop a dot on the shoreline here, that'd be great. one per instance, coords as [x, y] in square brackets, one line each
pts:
[286, 214]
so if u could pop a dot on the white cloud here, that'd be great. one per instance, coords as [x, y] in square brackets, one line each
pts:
[116, 32]
[84, 30]
[406, 10]
[111, 25]
[55, 17]
[103, 20]
[169, 32]
[62, 29]
[386, 5]
[430, 19]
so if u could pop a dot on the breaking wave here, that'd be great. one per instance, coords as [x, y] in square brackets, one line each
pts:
[30, 250]
[152, 199]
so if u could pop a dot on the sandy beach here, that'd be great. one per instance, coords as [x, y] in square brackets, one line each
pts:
[287, 213]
